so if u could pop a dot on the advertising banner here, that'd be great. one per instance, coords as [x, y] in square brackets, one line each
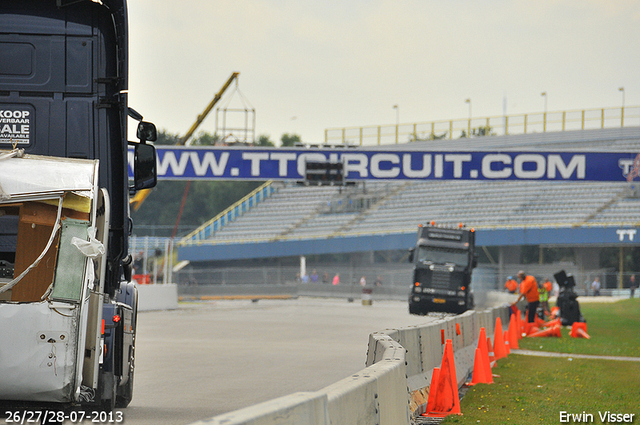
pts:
[188, 163]
[16, 124]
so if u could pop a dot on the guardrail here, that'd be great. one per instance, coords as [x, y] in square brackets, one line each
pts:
[392, 388]
[484, 126]
[234, 211]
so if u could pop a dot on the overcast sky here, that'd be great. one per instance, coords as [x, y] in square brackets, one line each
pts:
[308, 65]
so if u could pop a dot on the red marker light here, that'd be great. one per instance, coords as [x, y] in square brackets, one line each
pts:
[116, 318]
[102, 326]
[417, 283]
[460, 225]
[433, 223]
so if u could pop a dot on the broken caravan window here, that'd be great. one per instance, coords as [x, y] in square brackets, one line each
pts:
[38, 232]
[42, 250]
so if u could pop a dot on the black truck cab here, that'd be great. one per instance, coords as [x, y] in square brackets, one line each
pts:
[63, 94]
[443, 259]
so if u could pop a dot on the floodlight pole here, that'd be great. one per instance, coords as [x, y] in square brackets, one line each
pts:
[397, 120]
[544, 116]
[622, 109]
[469, 127]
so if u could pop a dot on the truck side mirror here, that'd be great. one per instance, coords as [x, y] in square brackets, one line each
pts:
[411, 252]
[147, 132]
[144, 166]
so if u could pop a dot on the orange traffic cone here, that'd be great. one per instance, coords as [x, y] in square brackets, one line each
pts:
[553, 322]
[579, 330]
[431, 401]
[555, 311]
[519, 329]
[499, 350]
[539, 322]
[479, 374]
[514, 309]
[530, 328]
[447, 400]
[484, 350]
[553, 331]
[513, 332]
[507, 344]
[492, 358]
[580, 333]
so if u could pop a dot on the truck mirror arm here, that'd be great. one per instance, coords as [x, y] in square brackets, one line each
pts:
[134, 114]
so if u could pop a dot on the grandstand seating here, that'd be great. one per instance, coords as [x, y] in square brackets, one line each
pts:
[300, 212]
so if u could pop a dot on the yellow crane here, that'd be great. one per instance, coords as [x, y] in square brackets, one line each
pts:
[139, 197]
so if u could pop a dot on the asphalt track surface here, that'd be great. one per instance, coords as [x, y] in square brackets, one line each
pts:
[208, 358]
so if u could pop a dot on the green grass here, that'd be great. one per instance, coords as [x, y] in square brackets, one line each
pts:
[614, 329]
[534, 390]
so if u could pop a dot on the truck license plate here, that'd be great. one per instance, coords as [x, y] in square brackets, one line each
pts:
[439, 301]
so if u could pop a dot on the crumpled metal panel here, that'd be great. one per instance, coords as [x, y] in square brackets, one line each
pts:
[23, 177]
[38, 352]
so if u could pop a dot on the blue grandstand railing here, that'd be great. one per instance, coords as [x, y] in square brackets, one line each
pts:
[540, 122]
[568, 225]
[207, 230]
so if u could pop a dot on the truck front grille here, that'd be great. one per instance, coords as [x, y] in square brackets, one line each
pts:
[440, 279]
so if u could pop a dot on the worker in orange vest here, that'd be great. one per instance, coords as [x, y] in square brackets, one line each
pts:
[529, 289]
[511, 285]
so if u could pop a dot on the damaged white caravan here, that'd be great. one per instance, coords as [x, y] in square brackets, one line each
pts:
[53, 221]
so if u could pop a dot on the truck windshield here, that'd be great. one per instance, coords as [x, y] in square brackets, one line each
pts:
[440, 255]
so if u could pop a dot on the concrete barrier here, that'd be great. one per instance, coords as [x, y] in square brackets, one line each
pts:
[295, 409]
[379, 391]
[393, 388]
[157, 297]
[424, 345]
